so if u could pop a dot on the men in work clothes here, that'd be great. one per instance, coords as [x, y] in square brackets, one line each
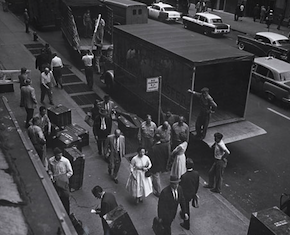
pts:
[108, 105]
[207, 107]
[178, 128]
[22, 77]
[87, 21]
[60, 170]
[28, 100]
[89, 72]
[115, 150]
[216, 172]
[189, 184]
[108, 203]
[46, 84]
[56, 66]
[169, 199]
[146, 133]
[38, 140]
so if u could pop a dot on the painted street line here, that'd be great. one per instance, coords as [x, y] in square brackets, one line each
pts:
[280, 114]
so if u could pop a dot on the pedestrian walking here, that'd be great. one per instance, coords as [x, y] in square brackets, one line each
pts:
[159, 157]
[38, 140]
[98, 40]
[26, 20]
[56, 67]
[87, 22]
[108, 203]
[237, 13]
[138, 184]
[46, 83]
[177, 129]
[115, 151]
[44, 122]
[178, 158]
[164, 131]
[146, 133]
[212, 4]
[269, 19]
[22, 76]
[102, 128]
[60, 170]
[169, 199]
[256, 12]
[109, 106]
[28, 100]
[189, 184]
[262, 14]
[207, 107]
[242, 8]
[216, 172]
[89, 71]
[42, 61]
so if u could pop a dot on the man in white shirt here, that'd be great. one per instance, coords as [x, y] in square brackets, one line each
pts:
[60, 170]
[216, 172]
[88, 63]
[56, 66]
[46, 83]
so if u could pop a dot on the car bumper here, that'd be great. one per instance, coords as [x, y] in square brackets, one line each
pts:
[286, 100]
[221, 31]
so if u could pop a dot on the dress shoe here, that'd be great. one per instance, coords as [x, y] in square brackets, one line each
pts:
[116, 181]
[207, 186]
[141, 199]
[183, 226]
[215, 191]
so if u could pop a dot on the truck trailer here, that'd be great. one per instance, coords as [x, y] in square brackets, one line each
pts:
[185, 61]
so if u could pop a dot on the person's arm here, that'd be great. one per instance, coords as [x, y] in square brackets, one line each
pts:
[48, 124]
[213, 104]
[181, 200]
[33, 97]
[69, 171]
[41, 136]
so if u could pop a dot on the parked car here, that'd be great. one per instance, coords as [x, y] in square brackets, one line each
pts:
[163, 12]
[206, 23]
[272, 77]
[266, 44]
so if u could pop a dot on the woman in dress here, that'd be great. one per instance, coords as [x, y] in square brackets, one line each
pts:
[179, 163]
[138, 184]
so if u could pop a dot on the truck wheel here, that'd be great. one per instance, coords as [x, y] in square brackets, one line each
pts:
[241, 46]
[270, 97]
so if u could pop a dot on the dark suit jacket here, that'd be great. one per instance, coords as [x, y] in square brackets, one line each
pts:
[159, 156]
[108, 203]
[28, 99]
[189, 184]
[102, 134]
[110, 145]
[167, 205]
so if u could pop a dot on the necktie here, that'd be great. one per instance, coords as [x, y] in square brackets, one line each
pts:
[176, 196]
[103, 124]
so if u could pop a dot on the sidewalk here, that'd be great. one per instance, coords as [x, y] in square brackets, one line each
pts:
[214, 216]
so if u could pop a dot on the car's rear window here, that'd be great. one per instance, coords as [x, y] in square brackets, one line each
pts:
[285, 76]
[216, 21]
[169, 9]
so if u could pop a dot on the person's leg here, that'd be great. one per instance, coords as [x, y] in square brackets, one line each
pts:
[90, 77]
[205, 120]
[186, 223]
[219, 175]
[29, 116]
[156, 183]
[42, 93]
[117, 163]
[167, 228]
[211, 175]
[198, 125]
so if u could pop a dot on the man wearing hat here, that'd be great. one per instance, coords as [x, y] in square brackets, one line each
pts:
[207, 107]
[26, 20]
[102, 128]
[28, 100]
[170, 197]
[189, 184]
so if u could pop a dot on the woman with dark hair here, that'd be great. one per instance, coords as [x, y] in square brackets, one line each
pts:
[179, 163]
[138, 184]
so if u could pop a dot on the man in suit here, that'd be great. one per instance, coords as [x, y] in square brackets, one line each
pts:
[189, 184]
[108, 105]
[108, 203]
[28, 100]
[169, 199]
[115, 150]
[101, 129]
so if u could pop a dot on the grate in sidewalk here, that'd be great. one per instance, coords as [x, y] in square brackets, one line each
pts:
[76, 88]
[70, 79]
[34, 45]
[85, 99]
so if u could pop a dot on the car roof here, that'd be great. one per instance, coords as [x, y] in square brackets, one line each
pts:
[208, 15]
[273, 63]
[272, 36]
[161, 4]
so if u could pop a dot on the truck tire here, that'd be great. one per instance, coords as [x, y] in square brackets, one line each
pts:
[207, 33]
[241, 46]
[270, 97]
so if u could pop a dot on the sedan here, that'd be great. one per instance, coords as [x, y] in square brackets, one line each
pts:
[266, 44]
[271, 77]
[163, 12]
[206, 23]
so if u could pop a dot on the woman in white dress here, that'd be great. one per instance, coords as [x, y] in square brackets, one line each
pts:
[138, 184]
[179, 164]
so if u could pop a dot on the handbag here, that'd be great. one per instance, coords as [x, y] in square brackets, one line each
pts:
[148, 173]
[195, 202]
[157, 226]
[89, 120]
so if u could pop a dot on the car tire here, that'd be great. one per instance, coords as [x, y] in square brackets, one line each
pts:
[206, 32]
[241, 46]
[185, 25]
[270, 97]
